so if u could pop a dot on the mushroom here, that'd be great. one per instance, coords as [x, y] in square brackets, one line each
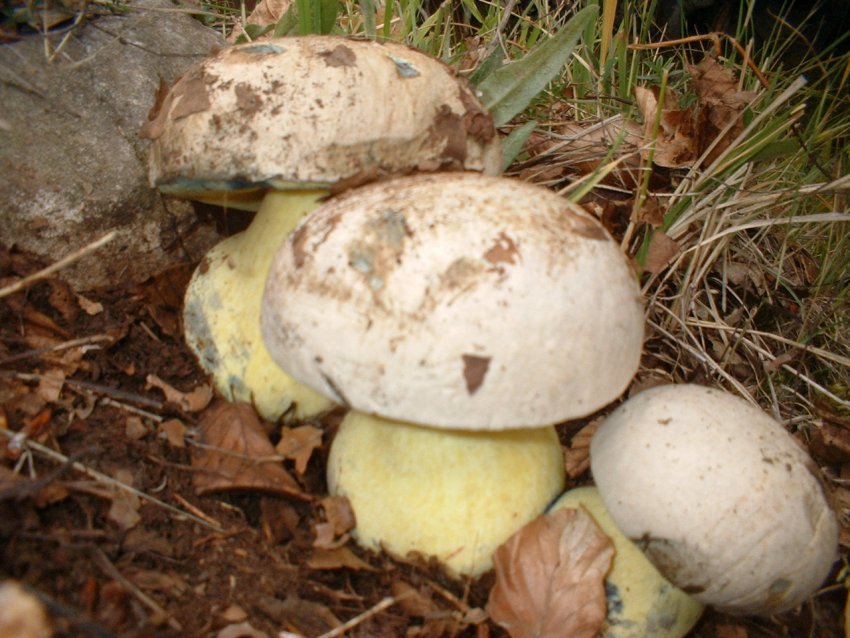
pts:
[718, 495]
[279, 124]
[454, 495]
[459, 302]
[641, 602]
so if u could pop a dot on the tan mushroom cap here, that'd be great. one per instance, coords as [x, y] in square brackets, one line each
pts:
[719, 496]
[312, 111]
[455, 300]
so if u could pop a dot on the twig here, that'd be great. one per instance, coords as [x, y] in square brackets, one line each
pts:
[56, 456]
[59, 265]
[389, 601]
[111, 570]
[73, 343]
[115, 396]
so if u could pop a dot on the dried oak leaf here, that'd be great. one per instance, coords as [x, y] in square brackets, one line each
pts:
[550, 578]
[577, 455]
[193, 401]
[267, 12]
[662, 249]
[677, 139]
[236, 454]
[339, 520]
[337, 558]
[298, 444]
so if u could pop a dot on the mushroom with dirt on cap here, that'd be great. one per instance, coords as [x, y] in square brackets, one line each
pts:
[275, 126]
[467, 313]
[718, 495]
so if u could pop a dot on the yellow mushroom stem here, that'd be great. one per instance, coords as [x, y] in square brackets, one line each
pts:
[222, 311]
[641, 602]
[453, 495]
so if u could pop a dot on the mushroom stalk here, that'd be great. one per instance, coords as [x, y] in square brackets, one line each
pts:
[454, 495]
[222, 310]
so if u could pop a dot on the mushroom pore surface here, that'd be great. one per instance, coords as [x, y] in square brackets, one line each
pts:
[455, 300]
[719, 496]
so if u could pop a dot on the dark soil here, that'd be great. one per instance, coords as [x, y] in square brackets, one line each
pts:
[76, 542]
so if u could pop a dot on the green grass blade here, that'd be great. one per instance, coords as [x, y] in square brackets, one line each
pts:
[510, 89]
[513, 143]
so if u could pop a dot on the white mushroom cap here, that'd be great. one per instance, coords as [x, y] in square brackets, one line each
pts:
[312, 111]
[455, 300]
[454, 495]
[719, 496]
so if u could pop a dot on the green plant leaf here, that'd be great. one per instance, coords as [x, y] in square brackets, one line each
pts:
[316, 16]
[510, 89]
[513, 143]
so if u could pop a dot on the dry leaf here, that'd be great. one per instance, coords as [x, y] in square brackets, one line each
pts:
[134, 428]
[339, 519]
[267, 12]
[241, 630]
[89, 307]
[22, 614]
[174, 431]
[662, 249]
[305, 616]
[337, 558]
[577, 455]
[721, 104]
[298, 444]
[550, 578]
[50, 385]
[413, 601]
[192, 401]
[237, 454]
[676, 142]
[234, 614]
[124, 510]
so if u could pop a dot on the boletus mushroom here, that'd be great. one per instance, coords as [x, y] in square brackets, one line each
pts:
[459, 316]
[718, 495]
[275, 126]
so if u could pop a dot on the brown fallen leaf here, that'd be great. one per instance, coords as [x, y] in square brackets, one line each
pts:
[577, 455]
[267, 12]
[174, 431]
[550, 578]
[676, 142]
[23, 615]
[236, 454]
[662, 249]
[193, 401]
[720, 104]
[298, 444]
[337, 558]
[304, 616]
[124, 508]
[241, 630]
[339, 520]
[50, 385]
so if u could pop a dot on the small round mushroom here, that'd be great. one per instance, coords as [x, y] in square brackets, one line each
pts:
[718, 495]
[456, 300]
[298, 117]
[454, 495]
[483, 309]
[641, 602]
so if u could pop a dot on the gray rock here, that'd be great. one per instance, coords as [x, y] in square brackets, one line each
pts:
[72, 163]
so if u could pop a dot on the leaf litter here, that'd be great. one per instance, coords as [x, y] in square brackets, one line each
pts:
[158, 569]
